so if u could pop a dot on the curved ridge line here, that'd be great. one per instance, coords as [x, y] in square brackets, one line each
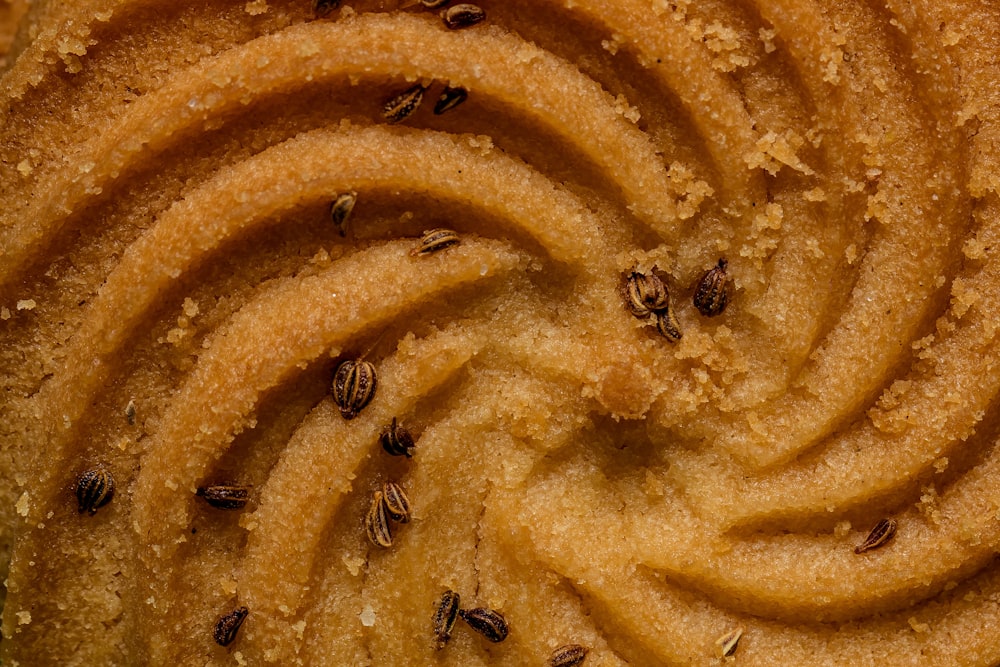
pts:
[792, 424]
[556, 547]
[677, 57]
[270, 537]
[370, 43]
[674, 57]
[452, 514]
[683, 639]
[312, 166]
[419, 368]
[241, 364]
[842, 585]
[840, 477]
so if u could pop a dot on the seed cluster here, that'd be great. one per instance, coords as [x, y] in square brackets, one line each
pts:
[94, 489]
[646, 296]
[389, 503]
[487, 622]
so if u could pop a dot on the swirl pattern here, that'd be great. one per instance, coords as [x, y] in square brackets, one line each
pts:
[175, 299]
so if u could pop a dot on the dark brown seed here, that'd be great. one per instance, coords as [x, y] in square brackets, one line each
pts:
[323, 8]
[397, 505]
[434, 4]
[396, 440]
[462, 16]
[488, 623]
[94, 489]
[354, 387]
[229, 625]
[450, 98]
[712, 293]
[729, 642]
[377, 523]
[434, 240]
[444, 617]
[883, 531]
[340, 210]
[225, 496]
[399, 107]
[668, 326]
[570, 655]
[645, 294]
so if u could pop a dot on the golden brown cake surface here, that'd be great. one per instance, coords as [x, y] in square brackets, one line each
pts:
[690, 310]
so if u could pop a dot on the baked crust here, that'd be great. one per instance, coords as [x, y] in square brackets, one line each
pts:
[794, 457]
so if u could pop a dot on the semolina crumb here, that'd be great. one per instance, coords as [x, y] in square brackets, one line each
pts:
[256, 7]
[623, 108]
[612, 45]
[190, 307]
[353, 563]
[815, 194]
[26, 304]
[227, 585]
[23, 504]
[767, 36]
[23, 617]
[367, 616]
[851, 254]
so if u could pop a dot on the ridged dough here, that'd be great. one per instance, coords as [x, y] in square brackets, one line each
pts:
[166, 176]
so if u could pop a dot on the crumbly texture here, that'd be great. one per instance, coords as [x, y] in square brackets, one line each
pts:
[174, 300]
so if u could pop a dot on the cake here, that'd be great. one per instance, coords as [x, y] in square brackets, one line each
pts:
[398, 332]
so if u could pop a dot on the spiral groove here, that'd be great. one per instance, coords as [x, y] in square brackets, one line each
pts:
[174, 299]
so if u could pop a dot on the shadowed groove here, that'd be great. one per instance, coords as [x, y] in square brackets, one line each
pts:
[932, 550]
[763, 576]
